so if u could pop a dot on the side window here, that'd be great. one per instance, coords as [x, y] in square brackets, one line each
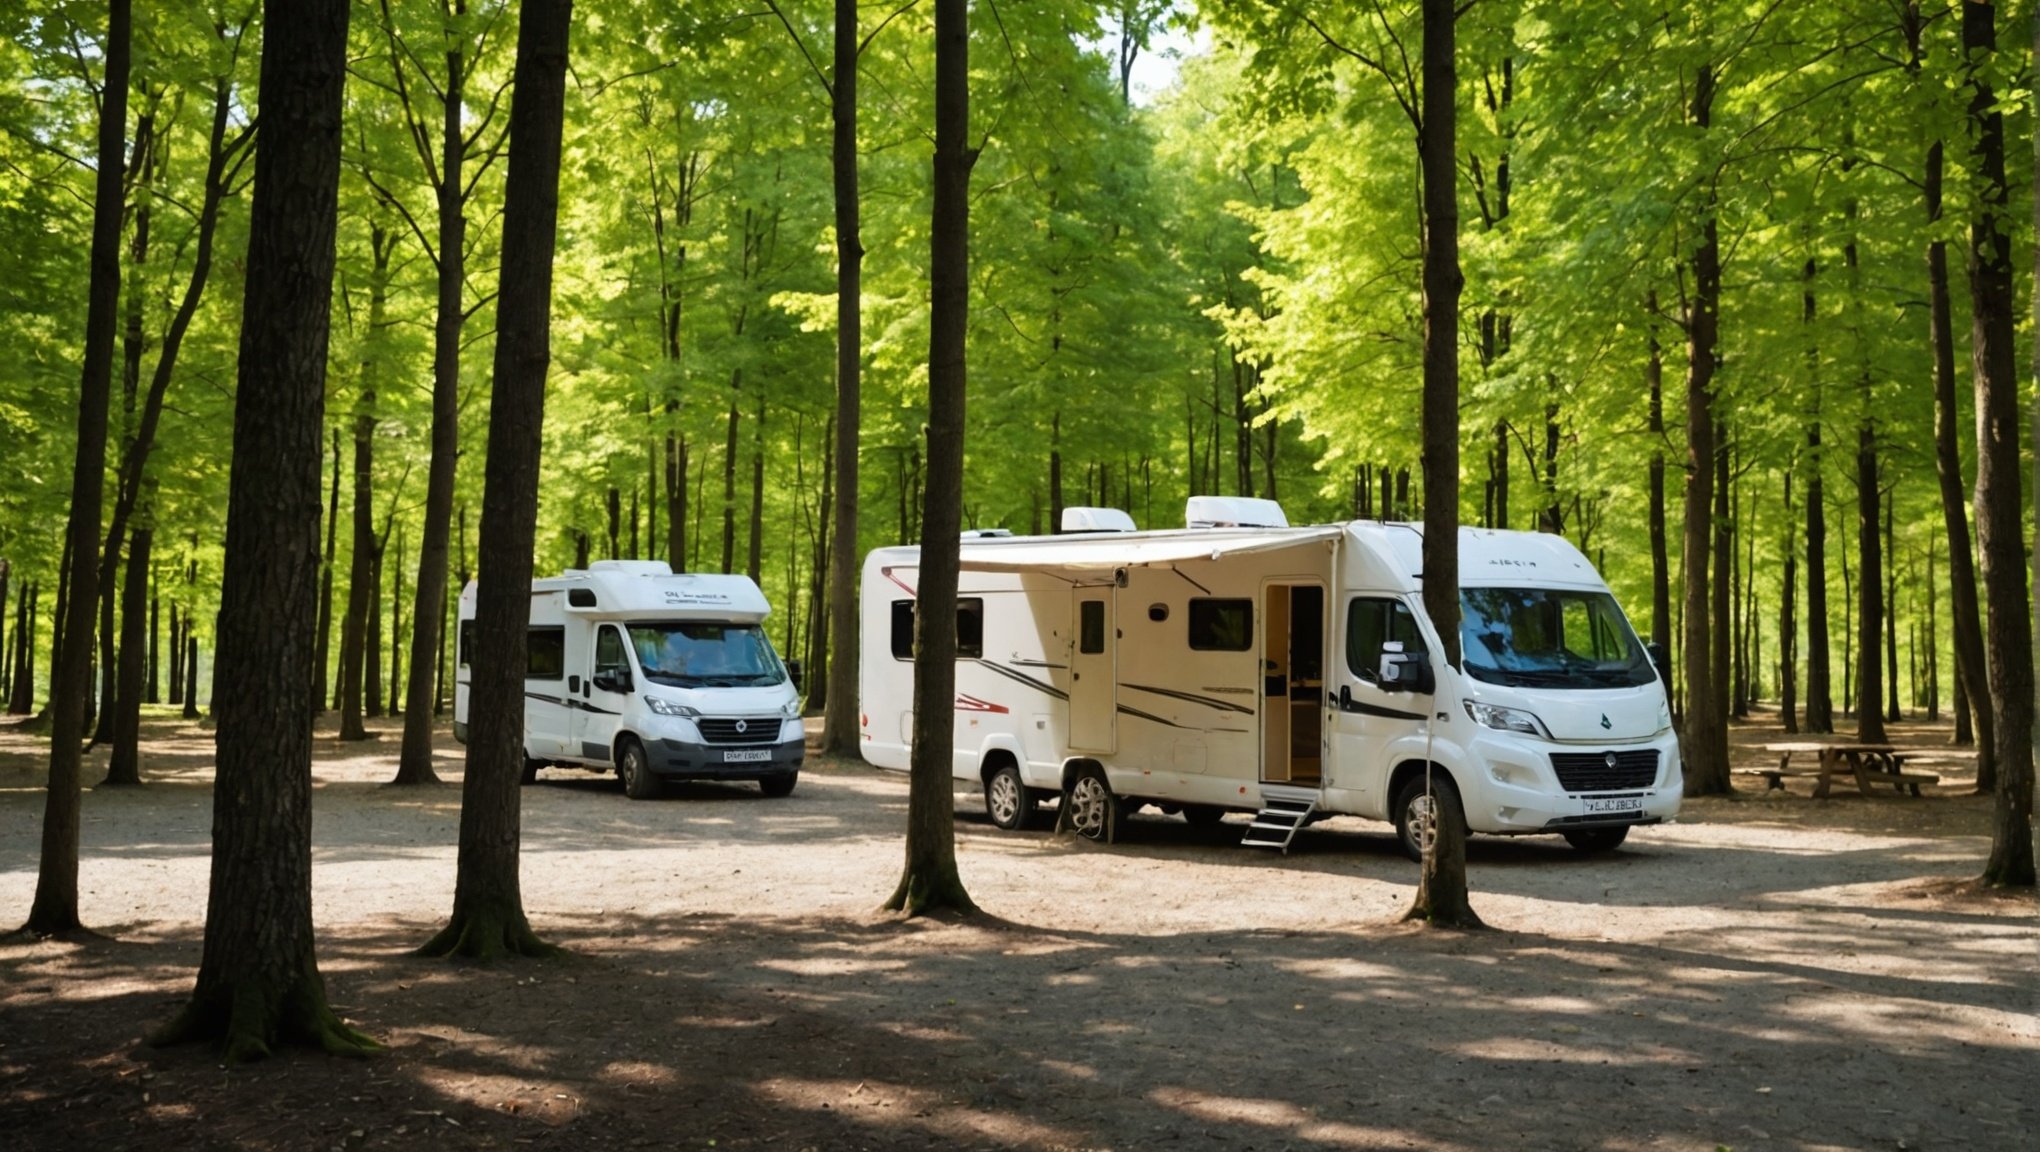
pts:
[1222, 625]
[545, 654]
[465, 644]
[903, 629]
[970, 628]
[1091, 626]
[610, 659]
[1372, 622]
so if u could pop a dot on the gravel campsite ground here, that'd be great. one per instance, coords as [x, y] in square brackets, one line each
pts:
[1772, 972]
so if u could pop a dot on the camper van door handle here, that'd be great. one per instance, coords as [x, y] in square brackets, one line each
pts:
[573, 684]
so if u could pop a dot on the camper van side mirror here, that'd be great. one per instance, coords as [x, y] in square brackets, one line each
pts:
[793, 672]
[613, 682]
[1658, 659]
[1402, 671]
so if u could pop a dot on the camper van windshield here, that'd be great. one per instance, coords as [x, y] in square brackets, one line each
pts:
[1549, 638]
[706, 654]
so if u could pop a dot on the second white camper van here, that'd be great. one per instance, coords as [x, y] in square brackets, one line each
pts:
[1244, 665]
[655, 676]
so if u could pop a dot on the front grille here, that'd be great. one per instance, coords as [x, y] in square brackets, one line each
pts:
[1594, 772]
[756, 730]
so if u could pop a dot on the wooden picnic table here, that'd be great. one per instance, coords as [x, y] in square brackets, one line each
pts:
[1866, 763]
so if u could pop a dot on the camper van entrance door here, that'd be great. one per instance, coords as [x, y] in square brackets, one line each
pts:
[1094, 672]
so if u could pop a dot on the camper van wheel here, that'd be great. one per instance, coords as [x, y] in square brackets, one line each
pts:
[1598, 839]
[531, 768]
[1094, 810]
[1009, 802]
[638, 781]
[1415, 817]
[778, 785]
[1203, 815]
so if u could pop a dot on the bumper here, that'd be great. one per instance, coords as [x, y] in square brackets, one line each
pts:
[1517, 792]
[686, 760]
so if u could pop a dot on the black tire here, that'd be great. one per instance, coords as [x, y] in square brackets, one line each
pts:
[1598, 839]
[1203, 815]
[638, 781]
[1009, 802]
[530, 773]
[1094, 812]
[1412, 811]
[779, 784]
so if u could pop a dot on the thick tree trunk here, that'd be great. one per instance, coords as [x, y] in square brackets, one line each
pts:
[322, 655]
[929, 881]
[488, 905]
[124, 766]
[2000, 507]
[840, 731]
[1441, 887]
[55, 908]
[258, 981]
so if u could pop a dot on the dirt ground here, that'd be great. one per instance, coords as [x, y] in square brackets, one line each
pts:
[1772, 972]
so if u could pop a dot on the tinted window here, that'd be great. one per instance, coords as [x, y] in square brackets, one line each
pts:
[705, 653]
[1550, 637]
[970, 629]
[545, 654]
[610, 660]
[1222, 625]
[1091, 626]
[1370, 623]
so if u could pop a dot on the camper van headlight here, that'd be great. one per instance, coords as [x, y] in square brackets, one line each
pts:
[791, 709]
[1505, 719]
[666, 707]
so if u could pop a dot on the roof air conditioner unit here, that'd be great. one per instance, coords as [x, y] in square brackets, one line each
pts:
[632, 567]
[1233, 512]
[1096, 520]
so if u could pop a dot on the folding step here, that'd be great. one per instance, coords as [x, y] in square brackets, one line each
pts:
[1284, 810]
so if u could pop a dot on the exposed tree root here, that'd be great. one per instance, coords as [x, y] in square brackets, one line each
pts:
[1461, 919]
[250, 1022]
[486, 937]
[925, 891]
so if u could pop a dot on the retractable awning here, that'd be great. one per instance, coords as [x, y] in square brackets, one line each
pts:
[1105, 552]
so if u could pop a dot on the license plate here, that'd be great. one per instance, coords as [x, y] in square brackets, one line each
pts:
[747, 755]
[1619, 804]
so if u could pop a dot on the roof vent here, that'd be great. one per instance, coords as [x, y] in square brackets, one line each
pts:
[1233, 512]
[1096, 520]
[632, 567]
[985, 533]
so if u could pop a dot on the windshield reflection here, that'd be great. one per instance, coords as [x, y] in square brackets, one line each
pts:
[706, 654]
[1549, 638]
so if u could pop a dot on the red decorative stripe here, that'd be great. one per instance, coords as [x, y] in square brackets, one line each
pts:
[973, 704]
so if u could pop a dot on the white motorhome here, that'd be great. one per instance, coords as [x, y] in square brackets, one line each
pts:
[655, 676]
[1244, 665]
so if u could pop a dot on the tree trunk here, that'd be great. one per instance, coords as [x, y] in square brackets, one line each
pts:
[258, 981]
[1820, 707]
[1964, 620]
[322, 657]
[729, 475]
[1705, 739]
[929, 881]
[840, 640]
[361, 572]
[1892, 712]
[1788, 626]
[428, 613]
[1722, 622]
[152, 692]
[124, 766]
[1441, 888]
[21, 682]
[371, 675]
[55, 908]
[190, 674]
[1870, 587]
[2000, 507]
[397, 626]
[754, 561]
[488, 906]
[1660, 562]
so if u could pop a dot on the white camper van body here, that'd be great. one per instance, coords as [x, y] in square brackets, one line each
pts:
[1218, 668]
[606, 687]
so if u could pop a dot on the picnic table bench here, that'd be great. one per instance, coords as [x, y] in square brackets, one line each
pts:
[1867, 764]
